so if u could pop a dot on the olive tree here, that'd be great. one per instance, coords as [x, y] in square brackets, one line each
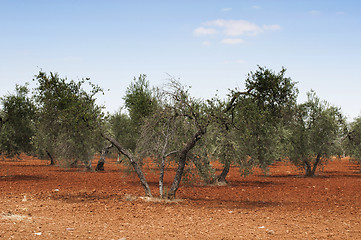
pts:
[124, 127]
[352, 141]
[249, 130]
[140, 103]
[167, 132]
[123, 131]
[271, 98]
[173, 130]
[68, 119]
[315, 133]
[17, 122]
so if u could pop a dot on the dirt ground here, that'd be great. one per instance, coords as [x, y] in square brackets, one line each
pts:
[44, 202]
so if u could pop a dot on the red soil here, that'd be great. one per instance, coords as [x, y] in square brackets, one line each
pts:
[44, 202]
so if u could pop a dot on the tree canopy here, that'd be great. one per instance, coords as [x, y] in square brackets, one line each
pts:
[315, 133]
[17, 122]
[68, 118]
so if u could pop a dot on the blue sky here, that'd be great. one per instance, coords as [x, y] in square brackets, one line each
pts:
[210, 45]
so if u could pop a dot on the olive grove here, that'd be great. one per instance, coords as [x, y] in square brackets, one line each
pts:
[253, 127]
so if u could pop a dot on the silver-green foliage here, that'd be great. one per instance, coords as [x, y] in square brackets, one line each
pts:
[17, 122]
[315, 133]
[68, 118]
[352, 141]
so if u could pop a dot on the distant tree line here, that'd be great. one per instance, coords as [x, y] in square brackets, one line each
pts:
[252, 127]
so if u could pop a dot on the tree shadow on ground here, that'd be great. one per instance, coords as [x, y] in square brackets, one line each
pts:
[250, 183]
[25, 165]
[356, 168]
[234, 204]
[82, 169]
[84, 197]
[201, 202]
[11, 178]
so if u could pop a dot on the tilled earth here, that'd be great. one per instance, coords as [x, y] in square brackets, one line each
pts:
[45, 202]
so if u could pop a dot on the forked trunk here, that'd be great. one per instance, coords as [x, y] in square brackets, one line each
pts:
[311, 170]
[315, 165]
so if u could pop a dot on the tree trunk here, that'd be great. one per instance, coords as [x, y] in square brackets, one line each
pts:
[134, 163]
[100, 165]
[161, 177]
[311, 170]
[222, 177]
[318, 158]
[162, 165]
[52, 162]
[308, 170]
[118, 158]
[88, 165]
[203, 169]
[182, 162]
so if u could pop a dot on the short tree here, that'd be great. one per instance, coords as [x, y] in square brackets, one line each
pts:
[68, 119]
[17, 122]
[123, 129]
[352, 141]
[140, 103]
[251, 122]
[315, 134]
[270, 101]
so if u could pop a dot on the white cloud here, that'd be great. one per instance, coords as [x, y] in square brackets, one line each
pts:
[235, 27]
[226, 9]
[256, 7]
[201, 31]
[229, 31]
[232, 41]
[272, 27]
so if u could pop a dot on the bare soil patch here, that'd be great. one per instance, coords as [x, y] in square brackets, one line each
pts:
[45, 202]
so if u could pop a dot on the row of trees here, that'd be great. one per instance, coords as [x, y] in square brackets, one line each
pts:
[250, 128]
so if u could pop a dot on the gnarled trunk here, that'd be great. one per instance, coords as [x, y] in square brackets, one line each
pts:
[308, 169]
[88, 165]
[182, 162]
[222, 177]
[134, 163]
[311, 170]
[104, 152]
[203, 167]
[52, 161]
